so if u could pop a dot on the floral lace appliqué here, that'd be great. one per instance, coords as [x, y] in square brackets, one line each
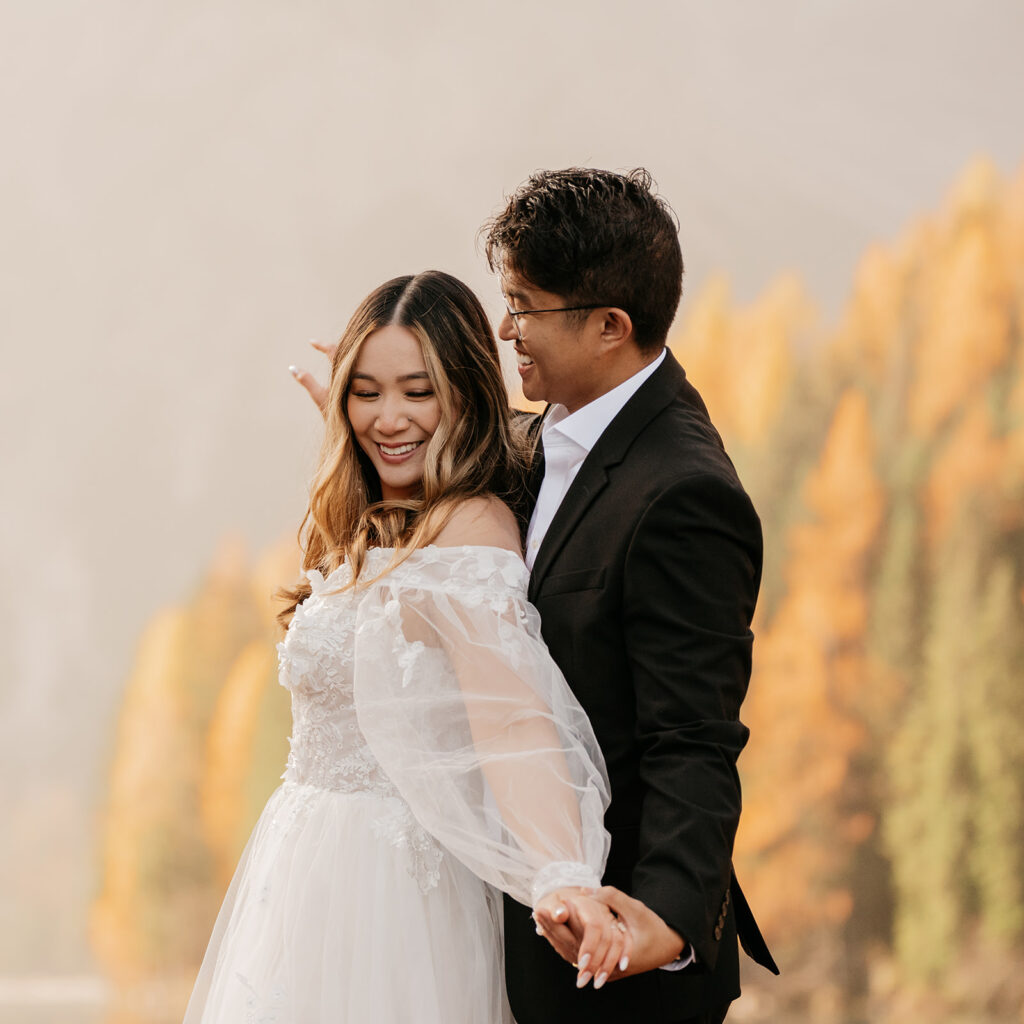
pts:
[263, 1007]
[401, 830]
[316, 666]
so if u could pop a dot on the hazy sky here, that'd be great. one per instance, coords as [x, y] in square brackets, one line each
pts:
[190, 190]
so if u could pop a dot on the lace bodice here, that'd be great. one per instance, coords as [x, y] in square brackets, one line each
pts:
[316, 657]
[315, 663]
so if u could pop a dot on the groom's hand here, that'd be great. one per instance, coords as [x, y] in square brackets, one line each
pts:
[655, 944]
[316, 390]
[584, 932]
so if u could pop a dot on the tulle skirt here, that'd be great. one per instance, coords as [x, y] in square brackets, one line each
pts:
[343, 911]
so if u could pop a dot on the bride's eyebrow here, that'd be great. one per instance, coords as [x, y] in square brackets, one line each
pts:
[418, 375]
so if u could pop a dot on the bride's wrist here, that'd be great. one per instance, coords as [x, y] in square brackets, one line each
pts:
[562, 874]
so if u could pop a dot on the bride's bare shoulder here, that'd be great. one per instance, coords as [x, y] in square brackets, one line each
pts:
[486, 521]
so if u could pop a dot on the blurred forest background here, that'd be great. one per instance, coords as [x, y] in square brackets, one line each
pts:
[190, 190]
[881, 843]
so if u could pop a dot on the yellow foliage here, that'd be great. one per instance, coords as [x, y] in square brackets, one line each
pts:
[158, 872]
[967, 466]
[742, 361]
[137, 790]
[962, 304]
[1014, 468]
[276, 567]
[229, 755]
[871, 333]
[810, 667]
[826, 572]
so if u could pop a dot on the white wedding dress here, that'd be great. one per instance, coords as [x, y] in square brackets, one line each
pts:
[437, 756]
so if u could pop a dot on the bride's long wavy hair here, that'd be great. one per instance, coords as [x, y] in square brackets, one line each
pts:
[473, 452]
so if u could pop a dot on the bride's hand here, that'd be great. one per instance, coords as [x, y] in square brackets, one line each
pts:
[585, 932]
[316, 390]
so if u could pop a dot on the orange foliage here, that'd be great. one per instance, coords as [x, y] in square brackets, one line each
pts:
[967, 466]
[742, 361]
[160, 875]
[228, 758]
[802, 708]
[278, 565]
[963, 304]
[138, 795]
[872, 331]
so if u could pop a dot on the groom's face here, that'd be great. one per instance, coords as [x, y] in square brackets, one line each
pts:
[555, 352]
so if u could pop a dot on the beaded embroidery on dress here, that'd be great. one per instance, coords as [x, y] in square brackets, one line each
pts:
[365, 890]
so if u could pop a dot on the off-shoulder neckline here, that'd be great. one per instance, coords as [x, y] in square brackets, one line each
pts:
[457, 547]
[514, 555]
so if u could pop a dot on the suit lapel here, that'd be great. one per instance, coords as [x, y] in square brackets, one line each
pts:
[654, 394]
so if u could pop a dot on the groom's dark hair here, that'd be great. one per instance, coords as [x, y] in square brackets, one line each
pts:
[595, 238]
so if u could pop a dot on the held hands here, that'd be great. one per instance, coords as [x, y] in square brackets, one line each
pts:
[316, 390]
[562, 922]
[584, 932]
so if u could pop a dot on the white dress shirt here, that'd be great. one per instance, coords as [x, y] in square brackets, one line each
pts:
[568, 439]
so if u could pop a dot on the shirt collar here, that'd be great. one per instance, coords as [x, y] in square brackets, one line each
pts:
[589, 422]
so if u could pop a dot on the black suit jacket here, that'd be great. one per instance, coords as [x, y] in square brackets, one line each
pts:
[646, 583]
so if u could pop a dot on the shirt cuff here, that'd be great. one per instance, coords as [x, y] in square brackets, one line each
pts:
[684, 961]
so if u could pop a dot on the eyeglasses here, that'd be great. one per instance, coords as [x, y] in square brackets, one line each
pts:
[514, 314]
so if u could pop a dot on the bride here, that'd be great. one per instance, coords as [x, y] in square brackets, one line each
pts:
[437, 753]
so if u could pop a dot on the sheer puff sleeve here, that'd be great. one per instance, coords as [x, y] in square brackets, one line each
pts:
[462, 705]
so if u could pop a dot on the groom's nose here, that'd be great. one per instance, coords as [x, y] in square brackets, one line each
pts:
[507, 329]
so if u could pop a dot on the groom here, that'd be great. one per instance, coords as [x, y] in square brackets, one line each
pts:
[645, 554]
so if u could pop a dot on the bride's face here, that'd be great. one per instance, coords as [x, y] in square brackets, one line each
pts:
[393, 409]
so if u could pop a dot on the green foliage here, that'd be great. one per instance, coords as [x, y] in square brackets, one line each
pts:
[995, 746]
[928, 813]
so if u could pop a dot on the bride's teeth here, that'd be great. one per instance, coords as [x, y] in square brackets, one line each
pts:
[399, 449]
[523, 360]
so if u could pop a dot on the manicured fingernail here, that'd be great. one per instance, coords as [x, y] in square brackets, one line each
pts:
[293, 370]
[584, 960]
[582, 980]
[540, 931]
[623, 963]
[600, 979]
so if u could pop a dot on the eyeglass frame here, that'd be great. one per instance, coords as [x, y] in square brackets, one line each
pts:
[514, 314]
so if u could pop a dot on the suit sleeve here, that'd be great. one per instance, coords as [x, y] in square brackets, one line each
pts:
[692, 575]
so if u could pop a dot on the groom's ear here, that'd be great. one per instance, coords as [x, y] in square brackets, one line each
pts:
[616, 328]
